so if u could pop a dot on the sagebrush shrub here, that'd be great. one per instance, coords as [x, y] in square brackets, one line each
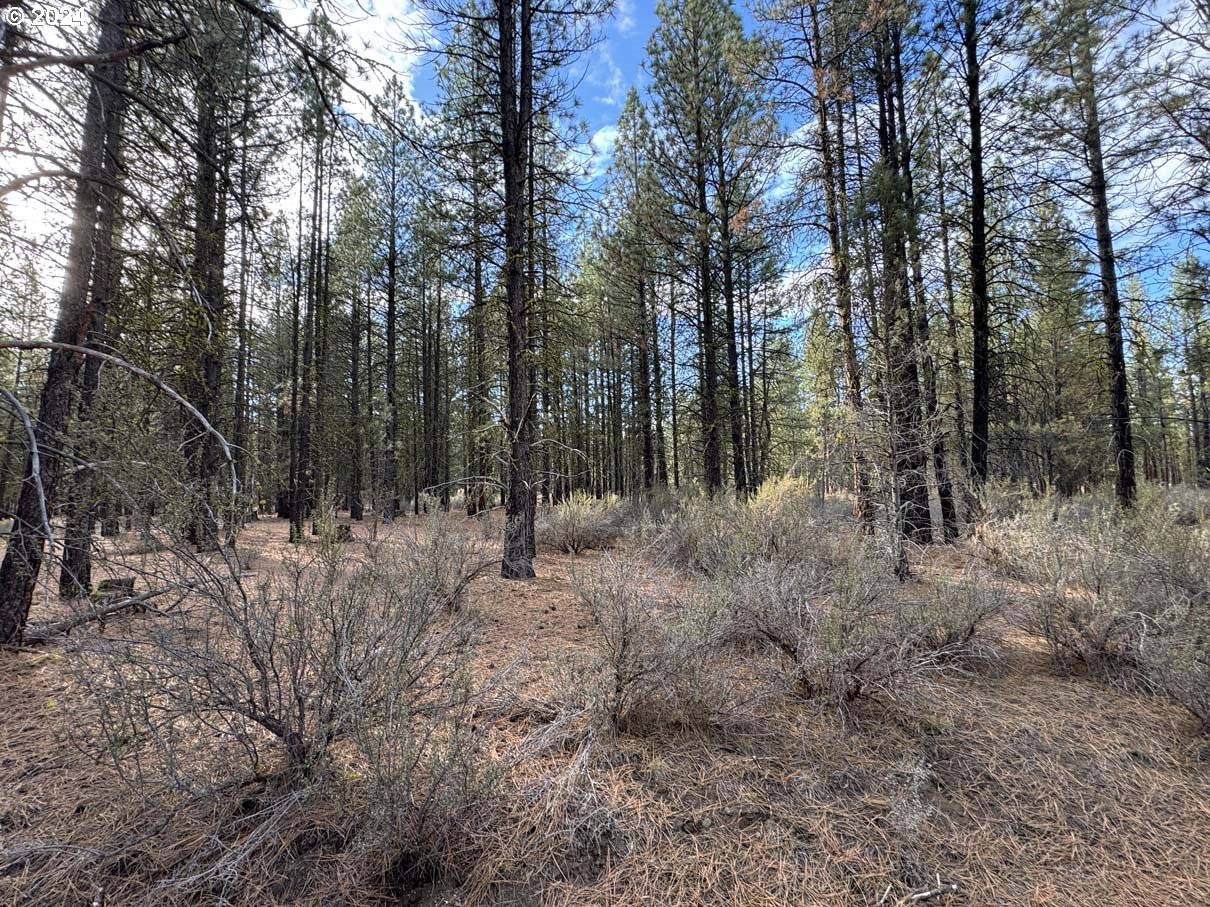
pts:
[950, 618]
[786, 521]
[842, 631]
[447, 554]
[636, 653]
[316, 673]
[653, 652]
[1176, 657]
[1122, 594]
[581, 522]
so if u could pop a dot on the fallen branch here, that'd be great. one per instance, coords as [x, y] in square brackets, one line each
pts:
[940, 891]
[38, 633]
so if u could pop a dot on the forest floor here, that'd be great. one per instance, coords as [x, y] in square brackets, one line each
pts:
[1018, 785]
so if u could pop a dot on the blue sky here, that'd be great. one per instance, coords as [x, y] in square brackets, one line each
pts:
[608, 70]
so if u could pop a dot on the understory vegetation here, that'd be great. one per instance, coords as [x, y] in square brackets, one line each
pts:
[1124, 596]
[328, 731]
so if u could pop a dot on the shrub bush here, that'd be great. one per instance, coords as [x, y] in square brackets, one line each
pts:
[447, 554]
[1121, 594]
[654, 657]
[342, 689]
[635, 653]
[950, 620]
[785, 521]
[843, 632]
[1103, 577]
[581, 522]
[1176, 657]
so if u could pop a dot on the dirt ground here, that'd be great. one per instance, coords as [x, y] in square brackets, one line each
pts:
[1018, 785]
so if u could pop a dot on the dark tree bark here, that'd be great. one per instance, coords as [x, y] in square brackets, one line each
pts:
[356, 475]
[908, 459]
[642, 382]
[932, 415]
[240, 431]
[391, 465]
[980, 362]
[739, 467]
[478, 453]
[23, 556]
[707, 334]
[209, 248]
[75, 575]
[661, 458]
[1123, 438]
[951, 314]
[516, 108]
[840, 260]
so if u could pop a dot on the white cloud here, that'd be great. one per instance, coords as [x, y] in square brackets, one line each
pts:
[598, 152]
[604, 73]
[625, 12]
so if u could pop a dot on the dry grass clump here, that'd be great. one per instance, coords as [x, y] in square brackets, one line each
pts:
[1119, 594]
[581, 522]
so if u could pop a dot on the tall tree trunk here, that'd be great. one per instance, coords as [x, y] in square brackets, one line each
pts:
[707, 334]
[642, 381]
[75, 575]
[735, 414]
[478, 453]
[932, 415]
[840, 266]
[209, 248]
[1123, 439]
[516, 106]
[23, 556]
[951, 314]
[390, 477]
[241, 354]
[908, 460]
[356, 467]
[980, 361]
[676, 446]
[661, 458]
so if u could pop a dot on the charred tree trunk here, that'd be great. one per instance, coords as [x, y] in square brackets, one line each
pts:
[357, 475]
[908, 459]
[1123, 438]
[932, 415]
[75, 576]
[209, 247]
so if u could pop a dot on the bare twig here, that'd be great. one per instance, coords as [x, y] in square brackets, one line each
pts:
[13, 344]
[35, 463]
[940, 891]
